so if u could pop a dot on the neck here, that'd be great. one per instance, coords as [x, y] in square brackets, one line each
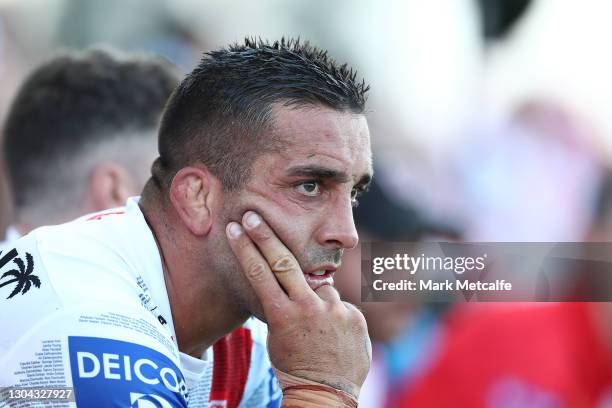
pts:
[22, 228]
[201, 310]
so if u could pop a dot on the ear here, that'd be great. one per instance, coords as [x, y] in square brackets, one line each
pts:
[193, 193]
[110, 186]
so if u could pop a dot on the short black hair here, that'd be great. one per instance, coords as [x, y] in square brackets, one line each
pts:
[75, 101]
[217, 114]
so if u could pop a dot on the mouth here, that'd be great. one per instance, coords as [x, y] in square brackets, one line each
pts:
[320, 277]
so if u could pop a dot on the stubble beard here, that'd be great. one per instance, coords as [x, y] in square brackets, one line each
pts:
[233, 284]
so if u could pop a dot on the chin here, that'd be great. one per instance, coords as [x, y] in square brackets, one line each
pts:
[253, 307]
[257, 311]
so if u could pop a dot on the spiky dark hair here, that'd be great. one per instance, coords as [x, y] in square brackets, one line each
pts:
[217, 114]
[70, 104]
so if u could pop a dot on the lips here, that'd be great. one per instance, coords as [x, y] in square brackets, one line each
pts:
[320, 277]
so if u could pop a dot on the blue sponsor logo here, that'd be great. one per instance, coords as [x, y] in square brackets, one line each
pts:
[275, 394]
[107, 373]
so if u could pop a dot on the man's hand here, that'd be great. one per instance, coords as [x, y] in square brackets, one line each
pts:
[312, 335]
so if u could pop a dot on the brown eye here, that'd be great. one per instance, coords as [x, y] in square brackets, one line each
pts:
[309, 188]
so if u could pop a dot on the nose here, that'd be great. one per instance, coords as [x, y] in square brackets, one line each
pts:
[338, 227]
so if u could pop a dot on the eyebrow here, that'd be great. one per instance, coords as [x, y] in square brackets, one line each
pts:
[321, 172]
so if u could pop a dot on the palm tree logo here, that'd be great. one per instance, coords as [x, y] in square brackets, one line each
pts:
[22, 276]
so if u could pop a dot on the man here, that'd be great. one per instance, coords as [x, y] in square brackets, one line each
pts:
[80, 134]
[263, 150]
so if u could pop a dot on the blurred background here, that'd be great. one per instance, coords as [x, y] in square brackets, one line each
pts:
[489, 112]
[489, 116]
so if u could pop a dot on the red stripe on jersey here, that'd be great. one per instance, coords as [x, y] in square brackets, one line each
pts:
[99, 216]
[231, 363]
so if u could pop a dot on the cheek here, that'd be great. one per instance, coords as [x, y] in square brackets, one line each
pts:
[293, 230]
[296, 233]
[292, 223]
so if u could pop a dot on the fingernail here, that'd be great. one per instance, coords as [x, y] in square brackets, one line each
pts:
[234, 229]
[252, 220]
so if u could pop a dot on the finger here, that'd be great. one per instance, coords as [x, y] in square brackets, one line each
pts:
[255, 268]
[359, 315]
[351, 306]
[328, 293]
[282, 262]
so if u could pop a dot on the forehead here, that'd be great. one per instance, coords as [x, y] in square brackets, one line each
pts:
[321, 134]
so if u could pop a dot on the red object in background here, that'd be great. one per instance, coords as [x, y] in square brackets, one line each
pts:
[521, 355]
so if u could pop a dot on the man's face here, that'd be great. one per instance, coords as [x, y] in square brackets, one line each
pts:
[305, 191]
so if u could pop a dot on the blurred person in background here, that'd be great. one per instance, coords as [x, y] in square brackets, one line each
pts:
[11, 67]
[530, 177]
[405, 336]
[532, 355]
[81, 133]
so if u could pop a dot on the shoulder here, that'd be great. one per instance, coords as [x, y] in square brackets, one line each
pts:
[55, 269]
[112, 354]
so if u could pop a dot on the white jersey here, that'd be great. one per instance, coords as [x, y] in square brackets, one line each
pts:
[84, 305]
[11, 235]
